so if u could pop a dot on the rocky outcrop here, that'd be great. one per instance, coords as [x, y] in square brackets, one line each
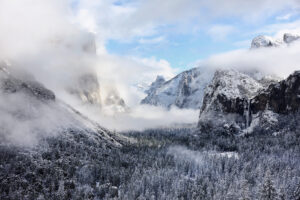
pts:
[87, 89]
[262, 41]
[11, 84]
[225, 103]
[289, 37]
[160, 80]
[114, 102]
[237, 104]
[281, 98]
[183, 91]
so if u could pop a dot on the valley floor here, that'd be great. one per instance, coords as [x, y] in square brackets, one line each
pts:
[157, 164]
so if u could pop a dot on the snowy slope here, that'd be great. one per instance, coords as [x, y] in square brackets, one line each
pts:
[48, 150]
[184, 91]
[266, 41]
[30, 112]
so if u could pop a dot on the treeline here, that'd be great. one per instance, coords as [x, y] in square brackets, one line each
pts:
[266, 167]
[178, 163]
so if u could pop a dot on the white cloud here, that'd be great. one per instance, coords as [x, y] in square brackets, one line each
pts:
[127, 72]
[154, 40]
[220, 32]
[143, 117]
[284, 17]
[144, 18]
[41, 38]
[38, 37]
[280, 61]
[279, 28]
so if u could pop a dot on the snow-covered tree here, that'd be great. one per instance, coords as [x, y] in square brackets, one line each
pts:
[268, 191]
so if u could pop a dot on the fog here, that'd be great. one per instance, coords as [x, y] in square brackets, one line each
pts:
[43, 39]
[200, 158]
[142, 117]
[40, 41]
[279, 61]
[25, 120]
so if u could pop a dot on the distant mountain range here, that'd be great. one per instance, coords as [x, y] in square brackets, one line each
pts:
[186, 90]
[232, 101]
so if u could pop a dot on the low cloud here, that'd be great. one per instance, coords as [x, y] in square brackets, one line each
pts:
[39, 38]
[54, 41]
[142, 117]
[24, 119]
[280, 61]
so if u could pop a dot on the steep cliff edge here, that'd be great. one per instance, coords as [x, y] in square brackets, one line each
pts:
[235, 103]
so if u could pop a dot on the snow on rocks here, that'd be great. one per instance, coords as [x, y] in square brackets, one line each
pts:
[290, 37]
[264, 41]
[186, 90]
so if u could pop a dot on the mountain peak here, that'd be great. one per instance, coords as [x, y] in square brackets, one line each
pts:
[160, 80]
[267, 41]
[264, 41]
[290, 37]
[184, 90]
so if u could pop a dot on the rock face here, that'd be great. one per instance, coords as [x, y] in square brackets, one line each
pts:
[289, 37]
[184, 91]
[281, 98]
[225, 102]
[87, 89]
[238, 104]
[11, 84]
[114, 102]
[160, 80]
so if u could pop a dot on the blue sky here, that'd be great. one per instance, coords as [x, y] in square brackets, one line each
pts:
[183, 48]
[183, 32]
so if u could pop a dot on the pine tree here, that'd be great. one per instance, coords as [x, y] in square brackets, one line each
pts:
[296, 192]
[268, 191]
[245, 193]
[281, 194]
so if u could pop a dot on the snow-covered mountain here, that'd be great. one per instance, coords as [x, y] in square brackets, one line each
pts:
[266, 41]
[184, 91]
[38, 113]
[49, 150]
[87, 89]
[290, 37]
[160, 80]
[225, 101]
[236, 103]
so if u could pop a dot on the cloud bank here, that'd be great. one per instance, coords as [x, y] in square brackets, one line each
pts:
[43, 39]
[53, 41]
[280, 61]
